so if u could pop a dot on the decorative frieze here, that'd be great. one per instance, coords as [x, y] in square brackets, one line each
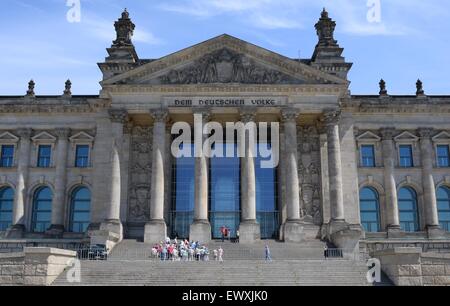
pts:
[140, 174]
[309, 173]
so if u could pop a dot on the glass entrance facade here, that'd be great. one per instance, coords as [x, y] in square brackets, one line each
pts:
[224, 194]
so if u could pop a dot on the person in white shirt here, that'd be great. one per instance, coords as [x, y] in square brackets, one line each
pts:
[220, 254]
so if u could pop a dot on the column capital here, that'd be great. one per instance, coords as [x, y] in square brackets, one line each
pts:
[387, 133]
[204, 111]
[62, 133]
[118, 115]
[248, 115]
[159, 115]
[24, 133]
[289, 115]
[425, 133]
[331, 117]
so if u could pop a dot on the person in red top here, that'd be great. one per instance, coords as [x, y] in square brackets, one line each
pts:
[222, 231]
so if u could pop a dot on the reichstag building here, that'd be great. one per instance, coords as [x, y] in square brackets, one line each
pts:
[351, 168]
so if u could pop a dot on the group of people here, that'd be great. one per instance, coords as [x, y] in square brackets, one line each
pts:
[184, 250]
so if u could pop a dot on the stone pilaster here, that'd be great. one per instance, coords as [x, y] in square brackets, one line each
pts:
[293, 230]
[200, 230]
[388, 148]
[249, 228]
[156, 229]
[18, 226]
[59, 202]
[429, 191]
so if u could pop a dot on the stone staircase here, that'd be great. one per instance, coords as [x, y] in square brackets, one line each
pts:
[130, 263]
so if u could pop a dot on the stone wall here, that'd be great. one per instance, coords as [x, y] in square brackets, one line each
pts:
[410, 267]
[34, 266]
[436, 269]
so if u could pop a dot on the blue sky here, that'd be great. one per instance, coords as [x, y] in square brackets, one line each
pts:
[411, 41]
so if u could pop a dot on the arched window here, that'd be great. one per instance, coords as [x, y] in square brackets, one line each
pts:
[6, 207]
[443, 199]
[408, 212]
[370, 209]
[42, 210]
[80, 214]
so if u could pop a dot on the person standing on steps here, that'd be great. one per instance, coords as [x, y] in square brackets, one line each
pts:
[237, 236]
[222, 232]
[267, 251]
[220, 254]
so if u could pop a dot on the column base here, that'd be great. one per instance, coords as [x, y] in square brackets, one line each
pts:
[200, 231]
[109, 234]
[436, 232]
[155, 231]
[249, 232]
[395, 231]
[16, 231]
[293, 231]
[55, 231]
[347, 240]
[336, 226]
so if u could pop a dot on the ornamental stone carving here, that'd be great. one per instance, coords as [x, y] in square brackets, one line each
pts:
[425, 132]
[140, 174]
[118, 115]
[227, 66]
[290, 115]
[62, 133]
[387, 133]
[24, 133]
[331, 117]
[309, 174]
[159, 115]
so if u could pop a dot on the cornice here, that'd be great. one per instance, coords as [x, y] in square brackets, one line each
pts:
[221, 88]
[89, 107]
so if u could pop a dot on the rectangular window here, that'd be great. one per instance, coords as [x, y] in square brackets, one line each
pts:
[443, 156]
[7, 156]
[368, 156]
[82, 156]
[44, 156]
[406, 156]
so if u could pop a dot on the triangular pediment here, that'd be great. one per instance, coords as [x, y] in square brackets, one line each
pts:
[406, 136]
[81, 137]
[224, 60]
[8, 137]
[44, 136]
[368, 136]
[442, 136]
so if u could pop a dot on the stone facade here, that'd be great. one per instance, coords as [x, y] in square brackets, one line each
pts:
[127, 129]
[34, 266]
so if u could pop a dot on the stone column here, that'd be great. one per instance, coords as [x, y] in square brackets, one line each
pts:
[200, 230]
[389, 156]
[156, 229]
[59, 202]
[293, 230]
[331, 120]
[429, 190]
[249, 229]
[18, 228]
[112, 221]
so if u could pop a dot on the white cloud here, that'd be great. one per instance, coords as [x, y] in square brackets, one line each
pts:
[399, 17]
[265, 14]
